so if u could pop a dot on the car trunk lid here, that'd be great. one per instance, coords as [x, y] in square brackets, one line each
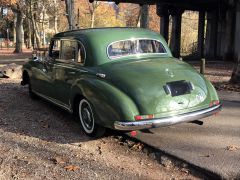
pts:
[158, 85]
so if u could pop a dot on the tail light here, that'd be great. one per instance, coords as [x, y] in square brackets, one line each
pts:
[214, 103]
[141, 117]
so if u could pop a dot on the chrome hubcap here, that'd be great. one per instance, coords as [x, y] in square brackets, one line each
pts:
[86, 116]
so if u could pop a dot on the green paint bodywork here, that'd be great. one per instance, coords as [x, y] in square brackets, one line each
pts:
[132, 85]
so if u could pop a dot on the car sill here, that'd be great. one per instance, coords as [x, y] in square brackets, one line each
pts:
[54, 101]
[167, 121]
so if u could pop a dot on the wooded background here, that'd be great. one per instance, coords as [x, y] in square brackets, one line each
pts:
[32, 23]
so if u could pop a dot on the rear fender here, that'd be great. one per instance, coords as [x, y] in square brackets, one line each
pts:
[109, 103]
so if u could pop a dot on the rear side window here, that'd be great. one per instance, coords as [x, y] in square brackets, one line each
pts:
[81, 54]
[135, 46]
[69, 50]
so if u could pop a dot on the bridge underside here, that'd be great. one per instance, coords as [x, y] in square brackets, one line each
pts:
[221, 40]
[185, 4]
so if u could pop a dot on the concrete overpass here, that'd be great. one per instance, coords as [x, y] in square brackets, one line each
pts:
[221, 40]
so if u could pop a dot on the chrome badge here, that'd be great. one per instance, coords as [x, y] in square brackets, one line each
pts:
[200, 97]
[170, 73]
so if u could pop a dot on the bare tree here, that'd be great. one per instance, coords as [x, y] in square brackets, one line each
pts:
[70, 13]
[92, 10]
[18, 10]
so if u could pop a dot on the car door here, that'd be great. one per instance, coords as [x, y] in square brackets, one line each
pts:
[68, 68]
[43, 80]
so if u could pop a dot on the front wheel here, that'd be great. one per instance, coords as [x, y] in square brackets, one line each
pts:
[86, 116]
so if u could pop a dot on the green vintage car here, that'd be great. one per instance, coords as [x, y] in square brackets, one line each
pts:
[119, 78]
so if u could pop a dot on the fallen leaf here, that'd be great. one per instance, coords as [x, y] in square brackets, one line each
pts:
[58, 160]
[71, 168]
[232, 148]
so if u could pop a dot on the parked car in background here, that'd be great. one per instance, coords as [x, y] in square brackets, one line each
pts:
[119, 78]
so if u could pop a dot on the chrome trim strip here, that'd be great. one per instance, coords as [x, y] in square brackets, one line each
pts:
[69, 67]
[54, 101]
[167, 121]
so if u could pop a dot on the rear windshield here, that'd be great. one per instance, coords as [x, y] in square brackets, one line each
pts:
[136, 46]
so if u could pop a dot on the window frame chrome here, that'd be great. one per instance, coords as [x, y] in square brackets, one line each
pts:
[74, 62]
[139, 54]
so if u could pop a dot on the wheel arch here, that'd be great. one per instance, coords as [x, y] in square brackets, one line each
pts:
[109, 103]
[25, 77]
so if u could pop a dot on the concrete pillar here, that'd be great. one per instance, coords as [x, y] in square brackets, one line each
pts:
[175, 41]
[229, 36]
[237, 33]
[211, 35]
[144, 17]
[201, 26]
[163, 12]
[164, 27]
[221, 34]
[236, 72]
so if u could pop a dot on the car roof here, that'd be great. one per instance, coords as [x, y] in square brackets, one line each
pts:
[97, 39]
[105, 30]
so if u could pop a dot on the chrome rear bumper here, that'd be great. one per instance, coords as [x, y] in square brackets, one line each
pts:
[167, 121]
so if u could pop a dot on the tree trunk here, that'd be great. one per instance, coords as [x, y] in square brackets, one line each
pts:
[55, 18]
[43, 28]
[36, 32]
[29, 40]
[14, 28]
[236, 73]
[19, 33]
[93, 19]
[55, 24]
[70, 13]
[32, 16]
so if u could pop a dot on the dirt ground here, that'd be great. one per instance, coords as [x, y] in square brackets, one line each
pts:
[9, 55]
[40, 141]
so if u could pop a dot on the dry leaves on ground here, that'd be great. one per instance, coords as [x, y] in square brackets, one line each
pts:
[232, 148]
[71, 168]
[58, 160]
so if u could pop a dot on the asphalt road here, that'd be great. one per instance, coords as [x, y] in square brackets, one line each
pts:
[214, 146]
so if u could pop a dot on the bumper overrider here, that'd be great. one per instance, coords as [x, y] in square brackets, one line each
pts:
[167, 121]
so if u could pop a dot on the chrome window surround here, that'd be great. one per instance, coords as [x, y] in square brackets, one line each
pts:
[138, 53]
[78, 41]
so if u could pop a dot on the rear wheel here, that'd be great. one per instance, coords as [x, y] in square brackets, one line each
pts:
[87, 120]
